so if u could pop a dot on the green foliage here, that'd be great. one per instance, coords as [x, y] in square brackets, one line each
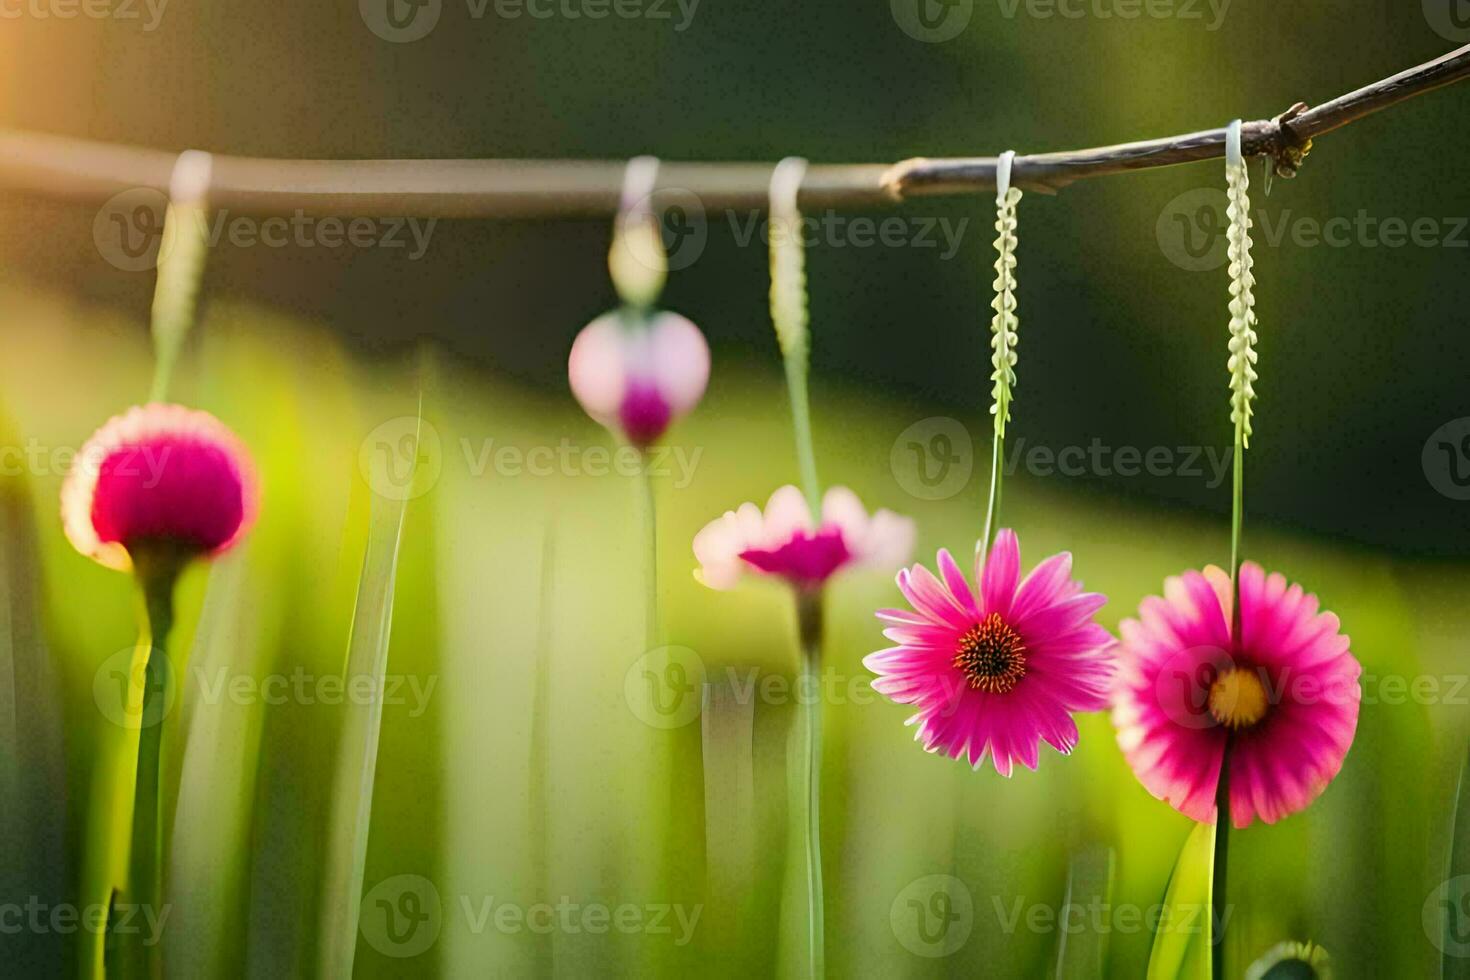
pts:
[632, 813]
[1185, 930]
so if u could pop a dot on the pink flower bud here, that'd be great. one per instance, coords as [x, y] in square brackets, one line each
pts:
[159, 475]
[637, 375]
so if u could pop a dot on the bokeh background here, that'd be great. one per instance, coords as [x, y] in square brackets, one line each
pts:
[531, 773]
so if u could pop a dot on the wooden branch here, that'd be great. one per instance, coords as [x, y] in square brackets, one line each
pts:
[86, 170]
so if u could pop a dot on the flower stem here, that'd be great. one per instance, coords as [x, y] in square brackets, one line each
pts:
[1218, 888]
[1237, 514]
[144, 888]
[801, 424]
[809, 617]
[992, 507]
[649, 512]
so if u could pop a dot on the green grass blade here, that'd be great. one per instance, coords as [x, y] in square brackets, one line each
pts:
[1454, 964]
[32, 780]
[1181, 948]
[209, 853]
[1082, 954]
[357, 752]
[728, 739]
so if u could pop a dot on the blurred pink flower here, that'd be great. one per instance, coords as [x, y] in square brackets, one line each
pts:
[1285, 697]
[638, 376]
[161, 474]
[781, 542]
[1000, 670]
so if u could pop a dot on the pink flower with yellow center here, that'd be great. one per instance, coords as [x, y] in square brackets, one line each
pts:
[638, 375]
[160, 476]
[1000, 669]
[782, 542]
[1284, 698]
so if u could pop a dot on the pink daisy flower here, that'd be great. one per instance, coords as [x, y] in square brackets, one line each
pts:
[1000, 670]
[638, 376]
[1285, 697]
[158, 474]
[782, 542]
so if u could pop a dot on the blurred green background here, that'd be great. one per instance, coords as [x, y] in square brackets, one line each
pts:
[530, 774]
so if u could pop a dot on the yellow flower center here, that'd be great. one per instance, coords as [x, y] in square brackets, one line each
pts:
[991, 656]
[1238, 698]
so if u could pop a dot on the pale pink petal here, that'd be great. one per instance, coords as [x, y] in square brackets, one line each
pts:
[680, 361]
[597, 368]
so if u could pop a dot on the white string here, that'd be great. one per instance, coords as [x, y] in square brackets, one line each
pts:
[1003, 175]
[189, 182]
[786, 181]
[1234, 157]
[639, 180]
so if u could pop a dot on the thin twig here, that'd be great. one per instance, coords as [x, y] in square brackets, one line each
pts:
[74, 168]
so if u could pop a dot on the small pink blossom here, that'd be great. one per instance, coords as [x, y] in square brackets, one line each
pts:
[782, 542]
[159, 474]
[1285, 697]
[1000, 668]
[638, 376]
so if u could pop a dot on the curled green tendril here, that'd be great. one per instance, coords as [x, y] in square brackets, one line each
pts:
[1004, 324]
[788, 285]
[1242, 304]
[790, 316]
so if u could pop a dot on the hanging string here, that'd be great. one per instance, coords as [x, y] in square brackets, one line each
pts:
[1242, 330]
[637, 262]
[790, 316]
[180, 264]
[1242, 378]
[639, 268]
[1003, 338]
